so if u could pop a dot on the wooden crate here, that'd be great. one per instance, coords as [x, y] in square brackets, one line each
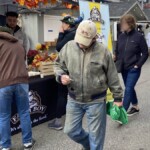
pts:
[46, 68]
[51, 43]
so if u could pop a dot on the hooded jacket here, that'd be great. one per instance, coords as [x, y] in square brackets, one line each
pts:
[12, 57]
[22, 37]
[92, 72]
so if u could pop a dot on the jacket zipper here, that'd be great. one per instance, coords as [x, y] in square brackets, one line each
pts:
[84, 53]
[126, 47]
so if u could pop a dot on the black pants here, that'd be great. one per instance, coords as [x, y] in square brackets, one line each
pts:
[61, 100]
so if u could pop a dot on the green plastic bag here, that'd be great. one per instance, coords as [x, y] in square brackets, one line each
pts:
[117, 113]
[109, 105]
[123, 116]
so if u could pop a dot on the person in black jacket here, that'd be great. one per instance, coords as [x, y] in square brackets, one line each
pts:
[66, 34]
[130, 55]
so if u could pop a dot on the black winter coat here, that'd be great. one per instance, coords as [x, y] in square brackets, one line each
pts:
[131, 50]
[64, 38]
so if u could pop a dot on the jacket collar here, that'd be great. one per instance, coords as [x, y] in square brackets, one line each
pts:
[71, 30]
[16, 29]
[130, 33]
[89, 48]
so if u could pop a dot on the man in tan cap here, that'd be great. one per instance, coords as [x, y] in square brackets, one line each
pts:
[87, 68]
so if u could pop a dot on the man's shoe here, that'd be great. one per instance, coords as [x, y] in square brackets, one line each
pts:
[55, 125]
[132, 112]
[29, 146]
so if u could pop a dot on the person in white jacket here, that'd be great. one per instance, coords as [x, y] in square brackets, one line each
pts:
[11, 22]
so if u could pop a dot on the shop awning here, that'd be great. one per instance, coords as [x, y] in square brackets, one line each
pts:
[137, 12]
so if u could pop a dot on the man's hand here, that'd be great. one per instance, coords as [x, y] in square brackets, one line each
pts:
[65, 79]
[119, 104]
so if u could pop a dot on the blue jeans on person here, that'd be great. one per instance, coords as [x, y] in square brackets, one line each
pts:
[130, 78]
[19, 94]
[96, 121]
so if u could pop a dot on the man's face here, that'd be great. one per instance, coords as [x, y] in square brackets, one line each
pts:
[86, 47]
[12, 22]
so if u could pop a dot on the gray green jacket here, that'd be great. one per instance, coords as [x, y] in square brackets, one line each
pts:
[92, 72]
[22, 37]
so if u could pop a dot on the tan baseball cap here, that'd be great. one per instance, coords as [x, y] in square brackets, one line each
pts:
[86, 31]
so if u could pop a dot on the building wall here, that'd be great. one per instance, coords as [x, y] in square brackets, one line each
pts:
[33, 25]
[41, 28]
[2, 10]
[2, 20]
[5, 8]
[30, 27]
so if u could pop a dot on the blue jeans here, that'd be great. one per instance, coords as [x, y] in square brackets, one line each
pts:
[130, 78]
[19, 94]
[96, 120]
